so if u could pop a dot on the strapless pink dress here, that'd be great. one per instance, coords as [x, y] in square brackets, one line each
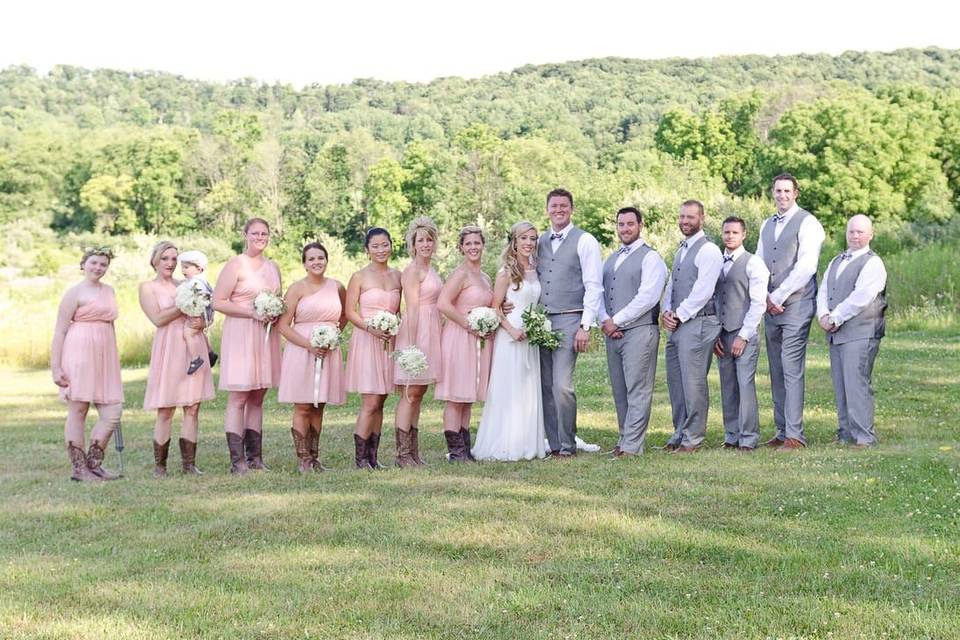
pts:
[465, 369]
[428, 333]
[89, 358]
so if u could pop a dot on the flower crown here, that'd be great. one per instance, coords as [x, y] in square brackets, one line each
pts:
[104, 251]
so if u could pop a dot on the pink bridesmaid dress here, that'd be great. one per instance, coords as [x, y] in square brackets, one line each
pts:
[248, 360]
[168, 384]
[428, 333]
[297, 373]
[89, 357]
[465, 369]
[369, 366]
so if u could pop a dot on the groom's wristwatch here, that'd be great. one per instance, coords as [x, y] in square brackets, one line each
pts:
[585, 327]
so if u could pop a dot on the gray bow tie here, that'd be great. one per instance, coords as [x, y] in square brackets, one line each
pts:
[624, 250]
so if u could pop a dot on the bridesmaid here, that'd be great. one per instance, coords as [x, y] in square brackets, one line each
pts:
[86, 366]
[168, 385]
[420, 327]
[465, 369]
[374, 288]
[249, 361]
[311, 301]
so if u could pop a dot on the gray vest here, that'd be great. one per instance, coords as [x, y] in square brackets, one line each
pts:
[561, 280]
[732, 297]
[780, 254]
[621, 286]
[684, 276]
[869, 323]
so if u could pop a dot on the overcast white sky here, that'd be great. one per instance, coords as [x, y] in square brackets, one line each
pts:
[419, 40]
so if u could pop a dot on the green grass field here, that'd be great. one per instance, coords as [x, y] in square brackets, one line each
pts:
[827, 543]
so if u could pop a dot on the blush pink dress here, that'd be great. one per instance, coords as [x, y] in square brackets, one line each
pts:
[465, 369]
[428, 333]
[369, 366]
[298, 371]
[248, 360]
[168, 384]
[89, 357]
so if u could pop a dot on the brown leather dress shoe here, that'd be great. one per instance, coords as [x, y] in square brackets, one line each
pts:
[686, 449]
[670, 448]
[791, 444]
[774, 442]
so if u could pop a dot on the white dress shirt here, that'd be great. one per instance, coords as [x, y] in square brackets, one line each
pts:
[871, 281]
[591, 268]
[810, 238]
[651, 286]
[757, 276]
[708, 262]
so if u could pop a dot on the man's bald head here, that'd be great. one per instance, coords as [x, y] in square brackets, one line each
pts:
[859, 232]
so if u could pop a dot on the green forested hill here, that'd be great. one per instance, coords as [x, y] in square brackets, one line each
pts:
[117, 152]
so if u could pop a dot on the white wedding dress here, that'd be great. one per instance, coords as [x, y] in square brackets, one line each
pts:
[511, 427]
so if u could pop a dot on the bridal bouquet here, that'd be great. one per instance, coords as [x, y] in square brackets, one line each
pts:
[411, 360]
[539, 329]
[484, 321]
[387, 322]
[192, 298]
[269, 305]
[322, 337]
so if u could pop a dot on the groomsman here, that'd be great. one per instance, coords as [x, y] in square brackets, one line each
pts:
[789, 246]
[690, 317]
[740, 300]
[633, 280]
[850, 306]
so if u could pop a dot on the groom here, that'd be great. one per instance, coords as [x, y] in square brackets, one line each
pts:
[569, 268]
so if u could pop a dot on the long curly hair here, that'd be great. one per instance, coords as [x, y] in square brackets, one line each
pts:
[509, 261]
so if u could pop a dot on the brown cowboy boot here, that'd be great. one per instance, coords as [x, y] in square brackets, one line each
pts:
[404, 447]
[313, 444]
[95, 458]
[415, 447]
[465, 434]
[160, 458]
[302, 450]
[238, 465]
[253, 443]
[373, 444]
[78, 460]
[455, 446]
[188, 455]
[361, 459]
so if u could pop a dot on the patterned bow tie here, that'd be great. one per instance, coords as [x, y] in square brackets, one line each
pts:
[683, 244]
[556, 236]
[778, 217]
[728, 259]
[624, 250]
[846, 255]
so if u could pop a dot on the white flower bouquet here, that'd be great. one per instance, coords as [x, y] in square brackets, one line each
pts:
[269, 305]
[411, 360]
[388, 323]
[192, 298]
[539, 329]
[322, 337]
[483, 321]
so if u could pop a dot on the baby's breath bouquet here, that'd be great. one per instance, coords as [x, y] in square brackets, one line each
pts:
[322, 337]
[387, 322]
[539, 329]
[192, 298]
[270, 306]
[484, 321]
[411, 360]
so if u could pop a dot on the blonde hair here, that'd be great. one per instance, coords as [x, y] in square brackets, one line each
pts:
[421, 223]
[158, 250]
[509, 261]
[469, 229]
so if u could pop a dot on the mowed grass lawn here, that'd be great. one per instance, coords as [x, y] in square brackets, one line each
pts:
[826, 543]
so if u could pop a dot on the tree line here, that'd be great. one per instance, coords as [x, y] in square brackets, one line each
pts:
[117, 152]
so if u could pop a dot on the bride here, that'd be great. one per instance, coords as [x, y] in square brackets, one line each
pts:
[511, 427]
